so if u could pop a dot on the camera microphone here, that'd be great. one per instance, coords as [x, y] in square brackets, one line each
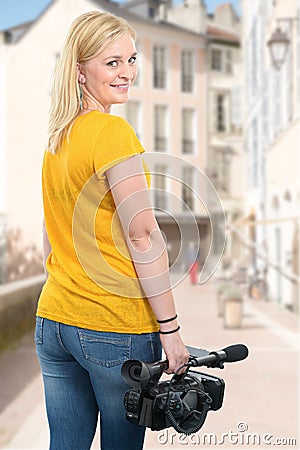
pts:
[232, 353]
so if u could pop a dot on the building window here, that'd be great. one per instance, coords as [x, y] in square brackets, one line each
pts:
[160, 183]
[187, 71]
[187, 185]
[228, 62]
[159, 67]
[221, 166]
[133, 115]
[216, 59]
[221, 60]
[220, 113]
[160, 128]
[188, 117]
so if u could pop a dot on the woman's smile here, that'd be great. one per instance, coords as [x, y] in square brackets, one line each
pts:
[123, 87]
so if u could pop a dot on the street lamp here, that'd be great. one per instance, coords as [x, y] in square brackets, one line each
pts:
[279, 43]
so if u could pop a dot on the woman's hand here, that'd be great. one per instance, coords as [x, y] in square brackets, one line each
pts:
[175, 350]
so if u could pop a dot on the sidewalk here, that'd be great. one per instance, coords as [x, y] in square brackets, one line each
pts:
[261, 402]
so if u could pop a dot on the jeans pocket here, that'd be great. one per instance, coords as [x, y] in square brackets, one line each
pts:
[38, 335]
[103, 348]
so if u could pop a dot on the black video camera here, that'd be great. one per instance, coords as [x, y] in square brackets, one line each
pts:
[183, 401]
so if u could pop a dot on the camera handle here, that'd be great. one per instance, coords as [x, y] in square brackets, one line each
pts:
[206, 400]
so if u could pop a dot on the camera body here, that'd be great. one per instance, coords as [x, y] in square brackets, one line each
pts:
[182, 402]
[146, 407]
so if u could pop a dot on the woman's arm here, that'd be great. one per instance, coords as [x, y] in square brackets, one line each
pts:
[148, 250]
[46, 247]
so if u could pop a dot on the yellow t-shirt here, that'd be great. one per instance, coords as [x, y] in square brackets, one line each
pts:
[92, 281]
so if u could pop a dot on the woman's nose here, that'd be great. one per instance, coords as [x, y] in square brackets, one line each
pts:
[127, 72]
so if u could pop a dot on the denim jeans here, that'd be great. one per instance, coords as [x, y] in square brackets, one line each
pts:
[81, 371]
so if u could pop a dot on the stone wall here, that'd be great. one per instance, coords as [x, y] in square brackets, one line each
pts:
[18, 302]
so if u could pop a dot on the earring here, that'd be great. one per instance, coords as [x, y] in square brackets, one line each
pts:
[80, 97]
[81, 79]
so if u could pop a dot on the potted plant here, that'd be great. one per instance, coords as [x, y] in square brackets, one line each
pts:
[220, 296]
[233, 306]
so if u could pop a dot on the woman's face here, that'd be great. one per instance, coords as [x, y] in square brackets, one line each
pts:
[109, 76]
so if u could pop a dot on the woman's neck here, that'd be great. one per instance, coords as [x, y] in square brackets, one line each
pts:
[90, 103]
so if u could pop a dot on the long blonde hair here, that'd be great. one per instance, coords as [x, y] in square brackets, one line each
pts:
[87, 34]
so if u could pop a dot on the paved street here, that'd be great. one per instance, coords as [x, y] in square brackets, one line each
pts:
[261, 402]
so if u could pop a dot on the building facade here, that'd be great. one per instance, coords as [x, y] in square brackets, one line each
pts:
[272, 130]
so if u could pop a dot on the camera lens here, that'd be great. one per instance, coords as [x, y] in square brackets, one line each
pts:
[135, 373]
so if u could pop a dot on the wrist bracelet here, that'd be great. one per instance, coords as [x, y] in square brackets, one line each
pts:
[167, 320]
[171, 331]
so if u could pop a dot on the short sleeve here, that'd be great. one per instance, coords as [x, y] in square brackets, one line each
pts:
[115, 143]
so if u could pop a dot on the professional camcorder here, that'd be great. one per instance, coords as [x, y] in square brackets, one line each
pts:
[183, 401]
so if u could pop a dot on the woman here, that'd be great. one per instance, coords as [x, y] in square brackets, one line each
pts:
[107, 296]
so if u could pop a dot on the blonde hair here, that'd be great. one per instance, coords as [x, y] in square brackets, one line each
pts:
[86, 36]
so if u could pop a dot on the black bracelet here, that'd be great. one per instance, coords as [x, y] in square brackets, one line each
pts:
[167, 320]
[171, 331]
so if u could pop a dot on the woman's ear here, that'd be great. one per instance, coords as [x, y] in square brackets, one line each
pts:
[80, 76]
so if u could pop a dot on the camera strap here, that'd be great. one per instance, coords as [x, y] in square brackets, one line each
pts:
[193, 421]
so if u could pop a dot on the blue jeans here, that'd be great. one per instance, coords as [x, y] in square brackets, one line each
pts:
[82, 376]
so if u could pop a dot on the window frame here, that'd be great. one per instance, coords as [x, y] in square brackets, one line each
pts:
[187, 60]
[159, 80]
[188, 137]
[161, 139]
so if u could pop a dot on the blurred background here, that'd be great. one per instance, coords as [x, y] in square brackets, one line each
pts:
[219, 88]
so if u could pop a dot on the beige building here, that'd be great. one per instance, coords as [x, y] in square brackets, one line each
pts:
[272, 131]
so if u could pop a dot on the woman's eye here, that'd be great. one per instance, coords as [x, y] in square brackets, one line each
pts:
[112, 63]
[132, 60]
